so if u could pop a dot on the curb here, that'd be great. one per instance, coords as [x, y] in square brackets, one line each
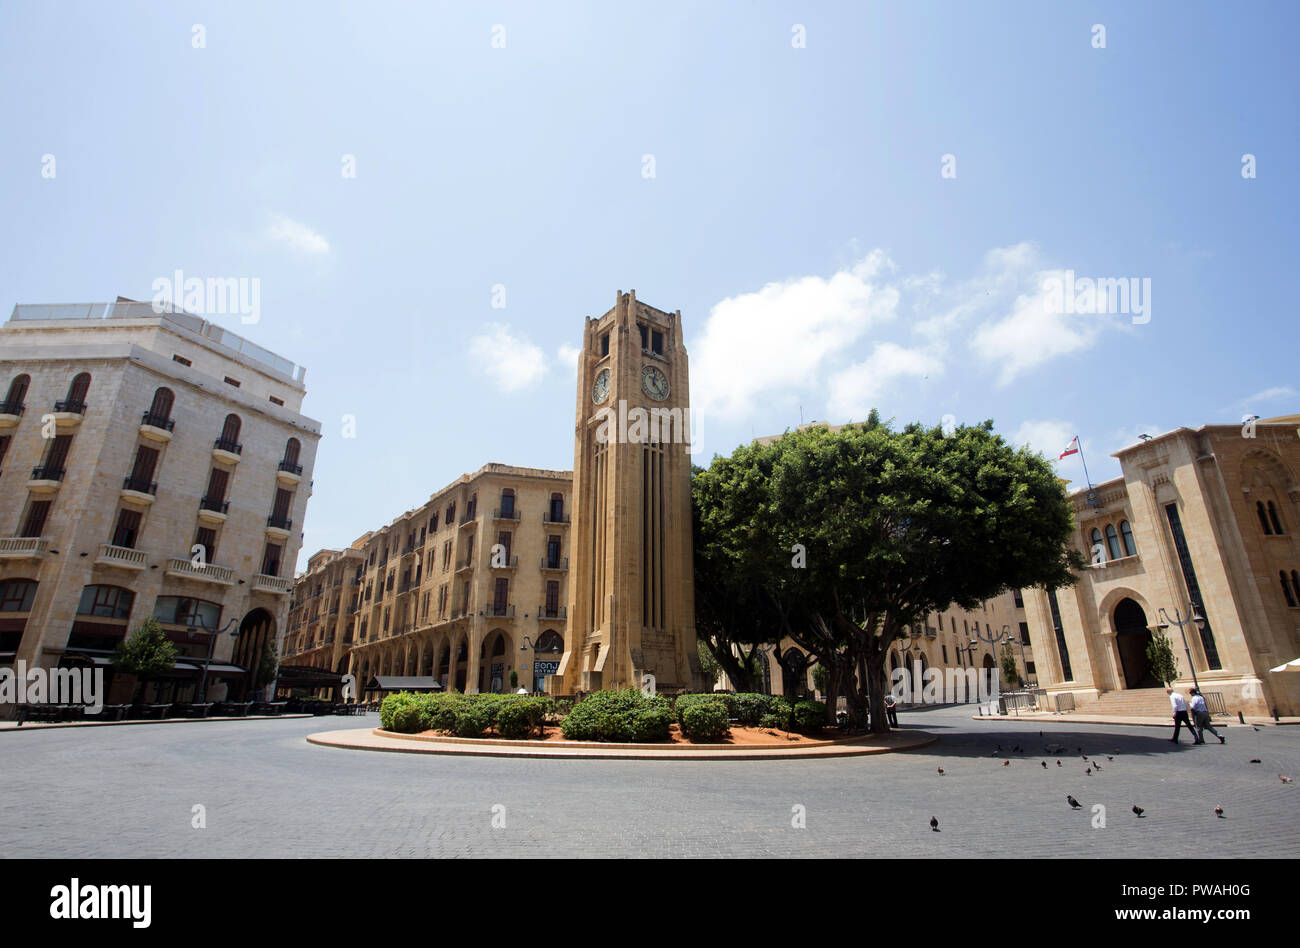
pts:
[377, 740]
[7, 727]
[1070, 719]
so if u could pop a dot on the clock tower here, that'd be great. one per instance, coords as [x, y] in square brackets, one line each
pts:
[631, 589]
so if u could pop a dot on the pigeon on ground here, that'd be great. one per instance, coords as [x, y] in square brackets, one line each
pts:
[1139, 811]
[934, 824]
[1218, 811]
[1108, 757]
[1084, 756]
[1254, 760]
[1096, 765]
[1058, 763]
[1088, 771]
[940, 770]
[1006, 763]
[1074, 804]
[1286, 779]
[1044, 765]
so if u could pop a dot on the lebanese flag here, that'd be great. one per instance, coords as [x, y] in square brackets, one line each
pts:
[1071, 448]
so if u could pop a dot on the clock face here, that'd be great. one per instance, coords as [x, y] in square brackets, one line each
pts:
[600, 388]
[654, 383]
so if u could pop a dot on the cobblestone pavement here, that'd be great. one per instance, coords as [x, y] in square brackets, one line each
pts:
[130, 792]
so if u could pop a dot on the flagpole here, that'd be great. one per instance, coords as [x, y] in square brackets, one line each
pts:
[1086, 475]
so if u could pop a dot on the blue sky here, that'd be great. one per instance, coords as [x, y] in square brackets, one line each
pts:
[797, 215]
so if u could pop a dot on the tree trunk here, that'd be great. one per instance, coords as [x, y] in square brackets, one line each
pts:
[876, 676]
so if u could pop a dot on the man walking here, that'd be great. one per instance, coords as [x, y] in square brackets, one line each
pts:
[1180, 715]
[1201, 717]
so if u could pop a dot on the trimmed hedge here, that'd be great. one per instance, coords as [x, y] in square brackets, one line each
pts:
[628, 717]
[464, 715]
[704, 720]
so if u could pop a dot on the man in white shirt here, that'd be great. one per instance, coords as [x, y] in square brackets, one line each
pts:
[1180, 714]
[1201, 718]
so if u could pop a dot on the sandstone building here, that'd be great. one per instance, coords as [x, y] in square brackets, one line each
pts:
[1200, 519]
[151, 464]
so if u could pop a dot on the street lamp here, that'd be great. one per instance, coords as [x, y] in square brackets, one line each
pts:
[196, 625]
[1179, 621]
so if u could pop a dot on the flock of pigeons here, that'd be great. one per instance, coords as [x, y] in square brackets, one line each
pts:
[1093, 765]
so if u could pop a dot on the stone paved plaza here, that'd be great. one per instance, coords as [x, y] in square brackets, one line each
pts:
[129, 792]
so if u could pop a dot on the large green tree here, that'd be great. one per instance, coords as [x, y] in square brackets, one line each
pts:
[145, 653]
[841, 540]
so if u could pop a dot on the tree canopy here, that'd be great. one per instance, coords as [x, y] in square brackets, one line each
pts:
[841, 539]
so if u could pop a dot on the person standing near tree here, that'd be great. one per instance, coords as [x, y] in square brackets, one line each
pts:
[891, 709]
[1201, 718]
[1180, 715]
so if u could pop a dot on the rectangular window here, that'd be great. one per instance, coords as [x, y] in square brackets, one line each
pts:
[4, 447]
[645, 339]
[657, 342]
[207, 538]
[283, 498]
[503, 538]
[500, 596]
[146, 462]
[17, 595]
[57, 454]
[945, 654]
[1024, 633]
[182, 360]
[229, 381]
[552, 598]
[1067, 673]
[1019, 599]
[604, 344]
[553, 552]
[34, 524]
[128, 528]
[275, 401]
[271, 560]
[1193, 587]
[216, 486]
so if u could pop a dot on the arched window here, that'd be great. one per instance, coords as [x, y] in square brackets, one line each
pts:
[229, 440]
[16, 595]
[1126, 533]
[550, 641]
[160, 409]
[1095, 554]
[1286, 588]
[1112, 542]
[182, 610]
[17, 392]
[1263, 518]
[106, 602]
[507, 502]
[557, 508]
[1273, 519]
[77, 391]
[291, 449]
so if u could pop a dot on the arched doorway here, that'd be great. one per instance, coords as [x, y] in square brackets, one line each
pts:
[1131, 639]
[494, 662]
[256, 633]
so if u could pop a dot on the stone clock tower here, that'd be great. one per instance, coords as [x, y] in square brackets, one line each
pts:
[631, 588]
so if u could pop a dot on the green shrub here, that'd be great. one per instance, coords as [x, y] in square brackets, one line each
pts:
[522, 717]
[442, 710]
[473, 719]
[705, 720]
[779, 715]
[748, 709]
[388, 707]
[619, 716]
[409, 719]
[809, 716]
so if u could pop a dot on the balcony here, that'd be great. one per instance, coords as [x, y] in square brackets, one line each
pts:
[558, 564]
[213, 511]
[499, 610]
[120, 556]
[138, 490]
[10, 413]
[510, 514]
[227, 449]
[288, 473]
[469, 516]
[551, 520]
[68, 414]
[156, 427]
[45, 480]
[466, 563]
[553, 612]
[511, 562]
[23, 548]
[185, 569]
[278, 526]
[458, 613]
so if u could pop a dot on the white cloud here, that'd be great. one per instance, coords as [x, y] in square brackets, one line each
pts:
[298, 236]
[1132, 434]
[1270, 394]
[1032, 333]
[568, 356]
[780, 337]
[512, 363]
[1050, 436]
[853, 391]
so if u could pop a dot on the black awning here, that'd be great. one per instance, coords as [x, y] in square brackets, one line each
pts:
[306, 676]
[404, 683]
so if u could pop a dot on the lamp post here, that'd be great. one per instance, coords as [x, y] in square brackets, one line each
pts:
[196, 625]
[1179, 621]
